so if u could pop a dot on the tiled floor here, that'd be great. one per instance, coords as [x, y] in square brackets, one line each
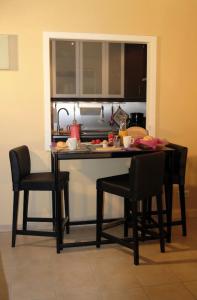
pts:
[34, 271]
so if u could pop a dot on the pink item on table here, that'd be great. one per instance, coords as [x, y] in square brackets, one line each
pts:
[154, 143]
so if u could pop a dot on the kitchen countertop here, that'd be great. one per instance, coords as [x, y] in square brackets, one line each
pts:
[85, 135]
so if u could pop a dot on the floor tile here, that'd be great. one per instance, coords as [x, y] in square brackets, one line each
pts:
[192, 287]
[33, 270]
[174, 291]
[155, 275]
[127, 294]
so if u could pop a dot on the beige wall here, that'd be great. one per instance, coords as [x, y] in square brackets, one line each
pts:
[174, 22]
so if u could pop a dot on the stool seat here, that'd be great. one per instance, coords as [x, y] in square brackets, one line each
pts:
[42, 181]
[118, 185]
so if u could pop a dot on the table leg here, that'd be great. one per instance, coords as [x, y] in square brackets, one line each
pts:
[169, 199]
[52, 163]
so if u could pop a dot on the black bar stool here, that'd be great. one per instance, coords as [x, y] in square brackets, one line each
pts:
[172, 177]
[24, 180]
[144, 180]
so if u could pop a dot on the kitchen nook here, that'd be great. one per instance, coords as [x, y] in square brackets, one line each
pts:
[98, 150]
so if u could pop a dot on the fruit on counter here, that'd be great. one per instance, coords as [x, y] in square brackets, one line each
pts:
[97, 141]
[61, 144]
[151, 142]
[148, 138]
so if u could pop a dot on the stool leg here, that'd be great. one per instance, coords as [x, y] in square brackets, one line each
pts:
[61, 217]
[182, 205]
[144, 213]
[168, 199]
[66, 206]
[53, 209]
[160, 222]
[25, 209]
[58, 221]
[149, 205]
[99, 217]
[134, 206]
[15, 217]
[126, 215]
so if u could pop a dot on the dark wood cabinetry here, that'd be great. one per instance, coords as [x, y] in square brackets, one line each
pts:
[135, 72]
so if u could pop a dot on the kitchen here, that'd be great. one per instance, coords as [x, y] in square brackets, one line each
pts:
[123, 81]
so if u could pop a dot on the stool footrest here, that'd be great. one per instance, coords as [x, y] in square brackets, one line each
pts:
[36, 219]
[113, 223]
[124, 242]
[36, 233]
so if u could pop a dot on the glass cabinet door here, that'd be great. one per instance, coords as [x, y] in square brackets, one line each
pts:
[91, 70]
[64, 68]
[115, 74]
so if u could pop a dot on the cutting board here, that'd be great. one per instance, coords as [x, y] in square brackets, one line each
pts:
[105, 149]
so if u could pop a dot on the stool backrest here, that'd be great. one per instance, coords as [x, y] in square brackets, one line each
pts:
[20, 164]
[147, 174]
[179, 163]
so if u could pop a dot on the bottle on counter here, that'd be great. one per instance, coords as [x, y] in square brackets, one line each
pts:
[110, 138]
[122, 129]
[116, 141]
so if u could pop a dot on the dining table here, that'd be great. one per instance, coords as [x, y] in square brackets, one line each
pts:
[89, 151]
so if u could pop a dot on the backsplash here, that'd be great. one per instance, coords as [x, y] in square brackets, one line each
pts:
[96, 116]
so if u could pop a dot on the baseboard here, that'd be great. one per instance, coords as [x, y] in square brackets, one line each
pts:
[5, 228]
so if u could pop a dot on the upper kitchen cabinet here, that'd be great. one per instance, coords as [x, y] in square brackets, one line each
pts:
[91, 69]
[115, 70]
[87, 69]
[64, 68]
[135, 72]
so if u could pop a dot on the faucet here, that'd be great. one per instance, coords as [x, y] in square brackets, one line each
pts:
[58, 118]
